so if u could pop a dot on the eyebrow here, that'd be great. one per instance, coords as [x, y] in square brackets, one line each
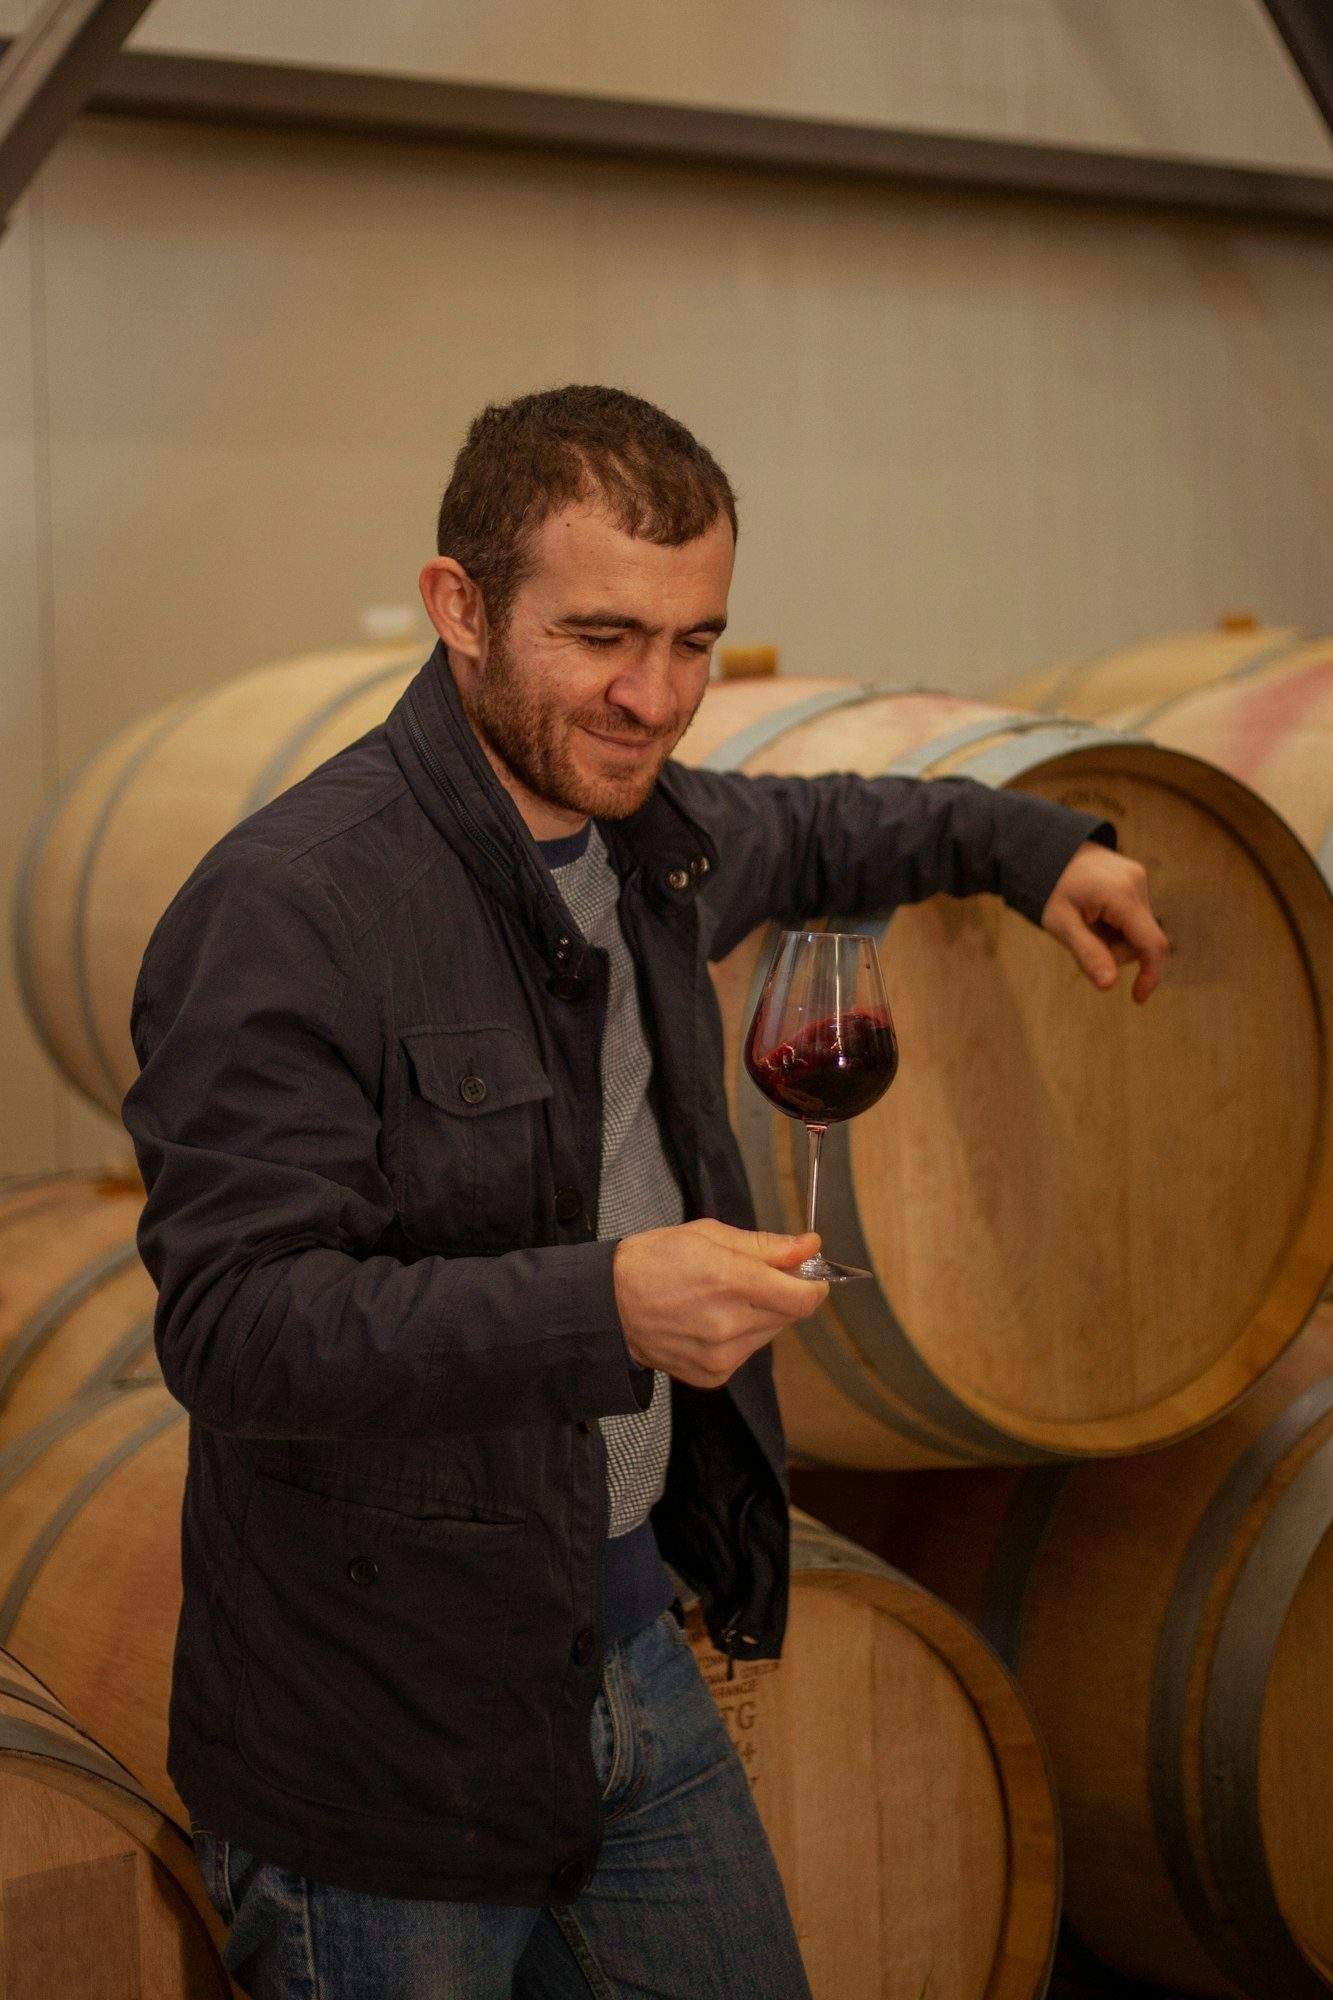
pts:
[616, 621]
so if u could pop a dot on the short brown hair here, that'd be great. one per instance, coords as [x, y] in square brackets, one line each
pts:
[525, 460]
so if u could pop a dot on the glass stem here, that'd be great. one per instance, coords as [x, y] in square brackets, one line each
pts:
[815, 1134]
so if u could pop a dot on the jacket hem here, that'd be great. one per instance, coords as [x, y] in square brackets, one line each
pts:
[375, 1859]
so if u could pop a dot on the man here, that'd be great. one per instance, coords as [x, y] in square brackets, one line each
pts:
[457, 1268]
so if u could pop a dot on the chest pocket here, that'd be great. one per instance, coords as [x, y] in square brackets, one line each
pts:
[476, 1145]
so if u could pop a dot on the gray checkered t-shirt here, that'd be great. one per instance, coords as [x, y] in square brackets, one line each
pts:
[639, 1188]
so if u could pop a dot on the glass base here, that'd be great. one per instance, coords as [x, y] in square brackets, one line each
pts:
[836, 1274]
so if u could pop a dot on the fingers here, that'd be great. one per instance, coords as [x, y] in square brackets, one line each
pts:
[1130, 931]
[784, 1295]
[1093, 956]
[1149, 942]
[766, 1246]
[1121, 930]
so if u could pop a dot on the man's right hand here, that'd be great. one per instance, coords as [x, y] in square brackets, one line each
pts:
[699, 1298]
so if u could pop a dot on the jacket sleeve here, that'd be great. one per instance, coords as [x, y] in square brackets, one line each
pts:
[255, 1126]
[794, 848]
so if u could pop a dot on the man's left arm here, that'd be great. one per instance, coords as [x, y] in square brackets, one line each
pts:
[790, 849]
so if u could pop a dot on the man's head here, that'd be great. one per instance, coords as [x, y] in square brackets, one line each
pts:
[586, 544]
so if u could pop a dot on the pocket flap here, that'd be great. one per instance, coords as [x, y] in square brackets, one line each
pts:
[473, 1071]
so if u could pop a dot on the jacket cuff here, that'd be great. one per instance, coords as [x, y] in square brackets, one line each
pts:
[627, 1386]
[1047, 846]
[641, 1378]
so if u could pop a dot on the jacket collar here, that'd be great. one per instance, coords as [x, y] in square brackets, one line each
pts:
[452, 779]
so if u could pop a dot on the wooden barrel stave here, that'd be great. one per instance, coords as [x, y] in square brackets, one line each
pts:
[90, 1569]
[926, 1138]
[888, 1711]
[1169, 1617]
[1259, 704]
[76, 1304]
[102, 1895]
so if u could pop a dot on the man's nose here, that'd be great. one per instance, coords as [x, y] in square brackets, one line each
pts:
[646, 689]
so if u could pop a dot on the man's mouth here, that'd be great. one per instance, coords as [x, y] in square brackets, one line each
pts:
[623, 745]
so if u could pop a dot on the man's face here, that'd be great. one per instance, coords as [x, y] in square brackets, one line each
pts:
[602, 666]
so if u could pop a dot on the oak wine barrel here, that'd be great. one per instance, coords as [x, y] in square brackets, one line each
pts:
[1170, 1619]
[901, 1784]
[1259, 702]
[1092, 1225]
[76, 1304]
[102, 1895]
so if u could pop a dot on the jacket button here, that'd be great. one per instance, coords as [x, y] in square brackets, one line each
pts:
[678, 878]
[568, 1878]
[699, 865]
[568, 1204]
[472, 1089]
[363, 1569]
[584, 1646]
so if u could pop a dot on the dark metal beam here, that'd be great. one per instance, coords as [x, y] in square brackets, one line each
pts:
[287, 96]
[1306, 26]
[47, 75]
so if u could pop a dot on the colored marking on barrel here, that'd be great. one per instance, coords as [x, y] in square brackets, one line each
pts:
[1272, 711]
[916, 762]
[757, 735]
[1267, 656]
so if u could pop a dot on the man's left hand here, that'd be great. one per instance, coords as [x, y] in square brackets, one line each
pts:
[1100, 912]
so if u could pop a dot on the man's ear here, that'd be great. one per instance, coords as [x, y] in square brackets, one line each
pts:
[454, 606]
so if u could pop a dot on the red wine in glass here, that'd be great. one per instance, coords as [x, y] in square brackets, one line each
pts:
[822, 1047]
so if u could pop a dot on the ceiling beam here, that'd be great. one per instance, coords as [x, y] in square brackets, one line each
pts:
[284, 96]
[47, 74]
[1306, 26]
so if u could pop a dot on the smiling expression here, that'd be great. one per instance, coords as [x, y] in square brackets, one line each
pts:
[605, 658]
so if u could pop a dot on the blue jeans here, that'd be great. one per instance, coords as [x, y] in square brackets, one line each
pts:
[685, 1902]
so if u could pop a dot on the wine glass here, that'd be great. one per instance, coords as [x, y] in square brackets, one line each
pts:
[822, 1047]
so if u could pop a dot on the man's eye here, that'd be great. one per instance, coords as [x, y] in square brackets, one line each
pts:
[698, 645]
[599, 639]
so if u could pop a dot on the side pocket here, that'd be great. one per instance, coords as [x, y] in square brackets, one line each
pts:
[374, 1645]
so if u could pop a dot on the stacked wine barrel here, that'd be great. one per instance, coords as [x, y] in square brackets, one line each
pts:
[1257, 700]
[1093, 1225]
[101, 1893]
[1094, 1229]
[1170, 1617]
[1169, 1614]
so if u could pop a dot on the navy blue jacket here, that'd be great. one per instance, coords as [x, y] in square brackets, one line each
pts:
[368, 1121]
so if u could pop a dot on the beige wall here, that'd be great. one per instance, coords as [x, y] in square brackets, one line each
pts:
[968, 435]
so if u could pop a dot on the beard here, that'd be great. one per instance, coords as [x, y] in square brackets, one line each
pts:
[527, 727]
